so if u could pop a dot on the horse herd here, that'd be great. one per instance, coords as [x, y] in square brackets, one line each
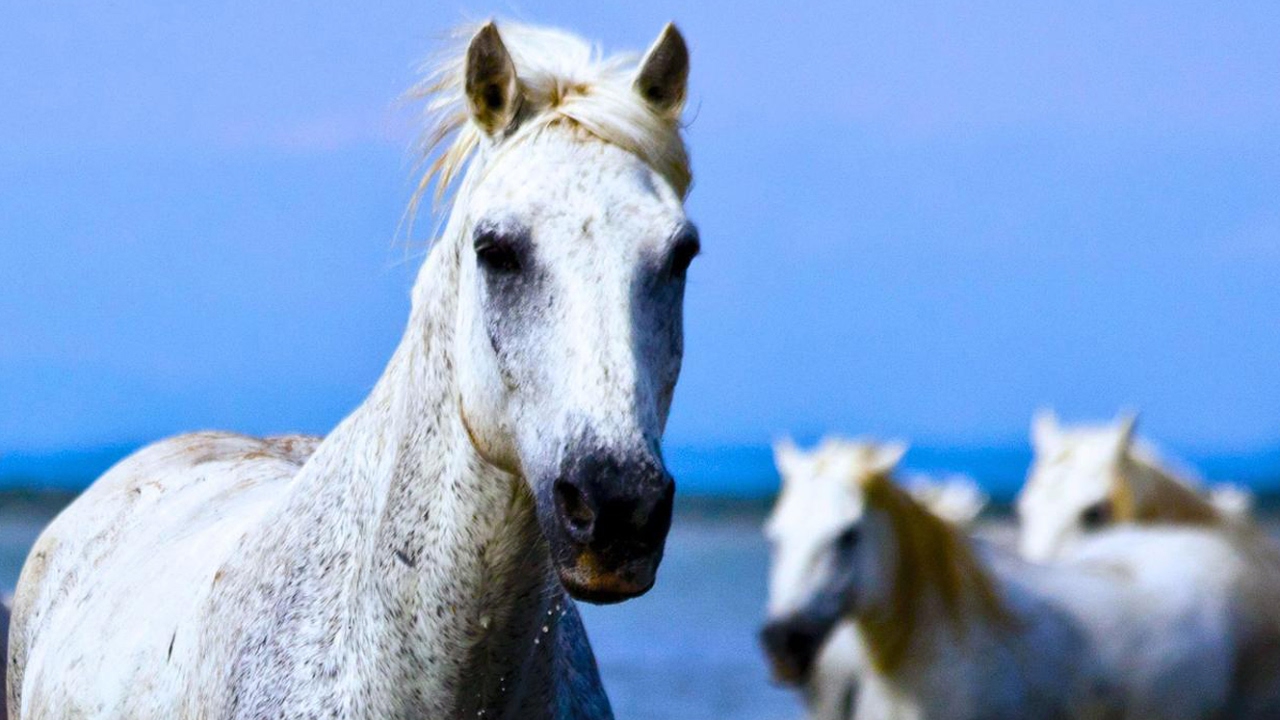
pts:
[423, 559]
[1132, 593]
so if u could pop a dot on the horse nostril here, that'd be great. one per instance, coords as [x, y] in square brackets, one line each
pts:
[576, 512]
[659, 516]
[790, 650]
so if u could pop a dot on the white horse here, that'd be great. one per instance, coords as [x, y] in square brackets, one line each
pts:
[415, 562]
[817, 500]
[1091, 477]
[1169, 623]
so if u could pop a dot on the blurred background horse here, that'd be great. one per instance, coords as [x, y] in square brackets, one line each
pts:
[816, 503]
[1087, 478]
[1141, 622]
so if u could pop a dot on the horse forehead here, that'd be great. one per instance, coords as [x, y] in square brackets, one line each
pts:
[1092, 443]
[1066, 486]
[1089, 466]
[561, 176]
[817, 508]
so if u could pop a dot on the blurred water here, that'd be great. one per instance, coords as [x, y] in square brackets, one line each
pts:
[722, 471]
[687, 649]
[20, 522]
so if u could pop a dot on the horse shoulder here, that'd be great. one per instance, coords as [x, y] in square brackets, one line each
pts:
[127, 565]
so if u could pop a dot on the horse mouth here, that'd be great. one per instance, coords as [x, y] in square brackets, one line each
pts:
[790, 654]
[586, 580]
[787, 672]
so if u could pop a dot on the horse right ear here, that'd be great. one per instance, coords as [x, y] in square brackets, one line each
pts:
[1044, 429]
[885, 457]
[1125, 425]
[492, 87]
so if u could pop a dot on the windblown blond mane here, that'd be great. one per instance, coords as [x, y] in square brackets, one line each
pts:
[934, 560]
[564, 80]
[1144, 493]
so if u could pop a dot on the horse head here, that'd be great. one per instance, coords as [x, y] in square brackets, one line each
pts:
[572, 251]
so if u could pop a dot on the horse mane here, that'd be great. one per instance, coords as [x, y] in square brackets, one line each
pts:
[933, 559]
[1144, 492]
[564, 81]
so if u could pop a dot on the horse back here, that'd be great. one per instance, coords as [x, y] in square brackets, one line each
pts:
[1191, 620]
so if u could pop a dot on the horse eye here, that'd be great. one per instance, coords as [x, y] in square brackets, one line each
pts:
[685, 250]
[848, 539]
[497, 253]
[1096, 515]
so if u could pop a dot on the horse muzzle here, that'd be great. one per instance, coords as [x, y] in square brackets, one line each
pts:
[606, 522]
[791, 647]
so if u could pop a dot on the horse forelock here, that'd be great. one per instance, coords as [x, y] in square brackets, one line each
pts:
[933, 559]
[564, 81]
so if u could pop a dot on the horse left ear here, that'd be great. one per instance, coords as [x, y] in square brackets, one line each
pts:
[1045, 431]
[664, 73]
[492, 87]
[786, 456]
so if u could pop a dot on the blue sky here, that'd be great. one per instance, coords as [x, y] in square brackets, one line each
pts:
[919, 219]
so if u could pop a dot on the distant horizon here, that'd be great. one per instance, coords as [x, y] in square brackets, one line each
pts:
[742, 471]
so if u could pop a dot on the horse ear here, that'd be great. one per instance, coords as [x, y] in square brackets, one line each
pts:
[886, 457]
[1044, 429]
[786, 456]
[1124, 431]
[664, 73]
[492, 87]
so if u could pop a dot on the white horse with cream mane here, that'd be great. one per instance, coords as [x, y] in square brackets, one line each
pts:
[1135, 623]
[420, 560]
[817, 501]
[1090, 477]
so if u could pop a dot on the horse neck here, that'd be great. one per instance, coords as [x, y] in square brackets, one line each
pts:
[446, 572]
[939, 590]
[1146, 492]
